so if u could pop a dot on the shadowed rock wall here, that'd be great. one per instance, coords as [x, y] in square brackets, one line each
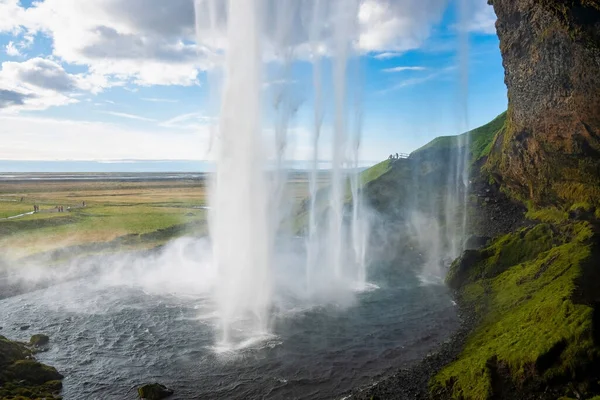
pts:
[549, 152]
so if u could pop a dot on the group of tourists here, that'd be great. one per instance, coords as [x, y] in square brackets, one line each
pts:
[36, 208]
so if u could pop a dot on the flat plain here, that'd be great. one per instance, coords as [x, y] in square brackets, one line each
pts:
[119, 214]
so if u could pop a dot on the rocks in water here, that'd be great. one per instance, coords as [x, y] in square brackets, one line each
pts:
[25, 327]
[39, 340]
[154, 391]
[11, 351]
[22, 377]
[33, 372]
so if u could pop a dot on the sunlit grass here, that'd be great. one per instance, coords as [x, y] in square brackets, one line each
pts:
[113, 210]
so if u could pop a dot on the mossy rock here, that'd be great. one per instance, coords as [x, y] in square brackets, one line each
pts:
[154, 391]
[32, 372]
[39, 340]
[11, 351]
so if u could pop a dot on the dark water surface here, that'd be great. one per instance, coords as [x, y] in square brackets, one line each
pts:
[109, 338]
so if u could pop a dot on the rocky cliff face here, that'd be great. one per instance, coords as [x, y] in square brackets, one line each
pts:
[549, 151]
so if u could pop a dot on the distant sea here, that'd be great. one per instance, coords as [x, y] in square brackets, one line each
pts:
[132, 166]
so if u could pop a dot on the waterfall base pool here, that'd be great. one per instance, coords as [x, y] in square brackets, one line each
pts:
[109, 336]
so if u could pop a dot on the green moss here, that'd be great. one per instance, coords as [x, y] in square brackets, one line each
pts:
[11, 351]
[32, 372]
[582, 206]
[531, 329]
[504, 252]
[39, 340]
[550, 215]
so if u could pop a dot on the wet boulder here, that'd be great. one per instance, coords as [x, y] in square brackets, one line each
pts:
[33, 372]
[39, 340]
[154, 391]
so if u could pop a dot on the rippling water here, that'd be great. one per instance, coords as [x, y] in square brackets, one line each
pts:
[109, 337]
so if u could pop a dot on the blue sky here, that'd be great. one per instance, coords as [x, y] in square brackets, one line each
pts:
[128, 79]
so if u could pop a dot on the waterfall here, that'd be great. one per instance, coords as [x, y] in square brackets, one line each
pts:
[247, 191]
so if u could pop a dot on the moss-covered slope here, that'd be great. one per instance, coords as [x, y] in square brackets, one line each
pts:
[534, 292]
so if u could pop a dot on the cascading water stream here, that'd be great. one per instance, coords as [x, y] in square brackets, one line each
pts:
[312, 240]
[248, 189]
[240, 227]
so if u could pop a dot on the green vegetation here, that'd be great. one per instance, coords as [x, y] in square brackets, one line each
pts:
[528, 291]
[549, 214]
[582, 207]
[480, 140]
[376, 171]
[117, 216]
[503, 253]
[11, 208]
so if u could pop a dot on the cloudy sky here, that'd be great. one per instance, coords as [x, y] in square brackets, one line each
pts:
[131, 79]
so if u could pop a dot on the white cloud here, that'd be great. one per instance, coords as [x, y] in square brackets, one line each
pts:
[387, 55]
[188, 121]
[152, 42]
[478, 17]
[28, 138]
[39, 83]
[12, 50]
[401, 69]
[419, 80]
[397, 25]
[128, 116]
[11, 16]
[143, 40]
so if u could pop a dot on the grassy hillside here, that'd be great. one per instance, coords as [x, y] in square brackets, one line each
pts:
[425, 173]
[480, 140]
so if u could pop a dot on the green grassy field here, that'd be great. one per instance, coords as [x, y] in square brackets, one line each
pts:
[113, 210]
[117, 215]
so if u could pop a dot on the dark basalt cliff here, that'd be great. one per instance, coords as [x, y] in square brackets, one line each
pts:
[549, 152]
